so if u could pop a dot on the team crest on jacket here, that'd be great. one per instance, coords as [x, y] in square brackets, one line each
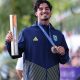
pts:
[35, 39]
[55, 38]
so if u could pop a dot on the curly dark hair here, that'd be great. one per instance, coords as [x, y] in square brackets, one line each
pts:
[38, 2]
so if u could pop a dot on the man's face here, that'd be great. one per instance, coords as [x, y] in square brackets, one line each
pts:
[43, 12]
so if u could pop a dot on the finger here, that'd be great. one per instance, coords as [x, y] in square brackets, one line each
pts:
[54, 49]
[61, 50]
[9, 37]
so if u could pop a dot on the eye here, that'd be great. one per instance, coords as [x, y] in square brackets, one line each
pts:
[47, 8]
[40, 8]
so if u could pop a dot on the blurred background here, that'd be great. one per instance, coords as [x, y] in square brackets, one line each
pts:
[65, 17]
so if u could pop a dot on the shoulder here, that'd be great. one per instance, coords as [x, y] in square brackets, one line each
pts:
[30, 29]
[56, 31]
[59, 33]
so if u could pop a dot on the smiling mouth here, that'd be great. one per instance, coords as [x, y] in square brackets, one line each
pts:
[45, 18]
[44, 14]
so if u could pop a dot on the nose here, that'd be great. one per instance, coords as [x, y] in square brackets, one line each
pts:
[44, 10]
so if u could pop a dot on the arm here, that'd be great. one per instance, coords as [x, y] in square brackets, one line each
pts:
[62, 50]
[19, 74]
[19, 68]
[9, 38]
[65, 57]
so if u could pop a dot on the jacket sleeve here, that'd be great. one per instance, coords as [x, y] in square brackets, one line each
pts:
[64, 58]
[20, 46]
[8, 45]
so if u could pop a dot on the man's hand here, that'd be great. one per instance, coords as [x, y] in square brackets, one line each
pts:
[58, 49]
[9, 37]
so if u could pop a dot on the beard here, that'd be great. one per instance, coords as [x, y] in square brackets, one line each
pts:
[45, 18]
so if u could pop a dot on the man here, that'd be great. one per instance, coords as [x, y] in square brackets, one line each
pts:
[41, 58]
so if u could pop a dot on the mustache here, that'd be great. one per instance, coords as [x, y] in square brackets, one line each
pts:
[44, 13]
[45, 19]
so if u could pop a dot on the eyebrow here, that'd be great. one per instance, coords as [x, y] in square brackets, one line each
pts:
[45, 7]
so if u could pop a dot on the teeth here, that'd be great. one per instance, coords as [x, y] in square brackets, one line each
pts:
[45, 14]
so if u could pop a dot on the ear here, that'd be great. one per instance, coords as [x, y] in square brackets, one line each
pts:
[35, 13]
[51, 12]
